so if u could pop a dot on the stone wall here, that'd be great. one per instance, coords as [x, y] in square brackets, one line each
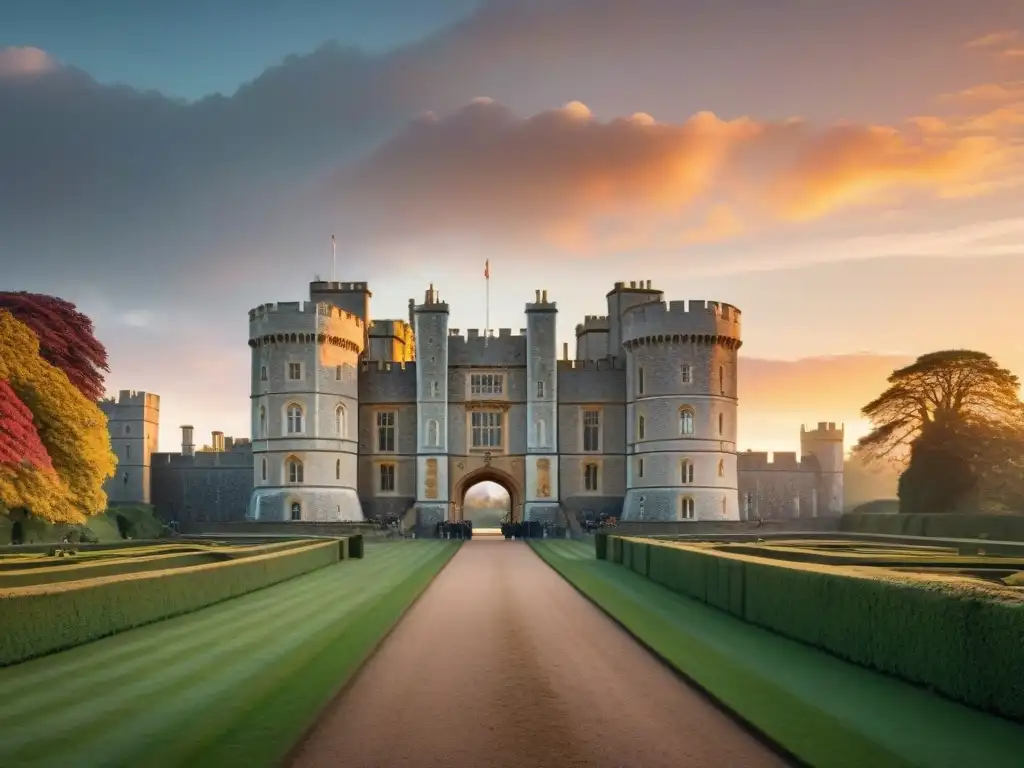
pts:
[202, 488]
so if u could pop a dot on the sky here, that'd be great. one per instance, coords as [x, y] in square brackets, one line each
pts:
[850, 176]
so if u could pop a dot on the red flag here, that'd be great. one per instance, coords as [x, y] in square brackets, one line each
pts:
[487, 270]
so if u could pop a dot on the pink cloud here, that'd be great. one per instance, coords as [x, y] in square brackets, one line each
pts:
[25, 60]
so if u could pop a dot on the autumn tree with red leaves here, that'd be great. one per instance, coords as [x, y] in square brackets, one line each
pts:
[66, 338]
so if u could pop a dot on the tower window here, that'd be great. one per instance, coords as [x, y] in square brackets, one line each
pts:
[294, 470]
[591, 431]
[295, 371]
[486, 384]
[435, 389]
[127, 451]
[687, 509]
[340, 418]
[296, 511]
[639, 381]
[721, 467]
[337, 373]
[127, 429]
[337, 469]
[540, 389]
[433, 433]
[640, 468]
[721, 424]
[686, 375]
[385, 431]
[263, 373]
[686, 421]
[640, 428]
[263, 470]
[686, 472]
[721, 378]
[486, 429]
[294, 418]
[263, 421]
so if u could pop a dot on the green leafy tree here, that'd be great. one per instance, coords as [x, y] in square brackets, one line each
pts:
[956, 415]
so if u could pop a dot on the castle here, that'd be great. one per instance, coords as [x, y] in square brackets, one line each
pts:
[354, 417]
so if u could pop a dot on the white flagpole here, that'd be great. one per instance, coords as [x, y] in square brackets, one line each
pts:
[487, 281]
[334, 260]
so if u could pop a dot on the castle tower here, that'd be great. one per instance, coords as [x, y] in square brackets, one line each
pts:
[133, 422]
[217, 443]
[353, 298]
[305, 392]
[681, 411]
[188, 447]
[541, 501]
[621, 299]
[430, 320]
[826, 445]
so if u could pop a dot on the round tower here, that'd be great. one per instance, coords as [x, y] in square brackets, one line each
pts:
[681, 411]
[826, 445]
[305, 408]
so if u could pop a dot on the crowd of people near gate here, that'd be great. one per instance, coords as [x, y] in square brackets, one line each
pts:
[461, 529]
[528, 529]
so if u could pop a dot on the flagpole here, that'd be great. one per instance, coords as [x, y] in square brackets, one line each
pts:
[334, 260]
[487, 282]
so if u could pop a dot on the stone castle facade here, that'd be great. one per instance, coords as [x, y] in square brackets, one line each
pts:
[354, 417]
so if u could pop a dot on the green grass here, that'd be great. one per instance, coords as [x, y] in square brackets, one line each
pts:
[827, 712]
[234, 684]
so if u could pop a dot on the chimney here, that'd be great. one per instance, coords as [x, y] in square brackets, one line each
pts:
[538, 297]
[565, 350]
[544, 296]
[188, 448]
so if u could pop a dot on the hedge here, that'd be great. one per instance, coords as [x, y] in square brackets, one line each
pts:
[41, 619]
[980, 526]
[960, 639]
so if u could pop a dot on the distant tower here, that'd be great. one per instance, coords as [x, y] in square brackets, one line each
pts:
[133, 422]
[826, 445]
[305, 390]
[188, 447]
[541, 502]
[681, 411]
[430, 323]
[217, 443]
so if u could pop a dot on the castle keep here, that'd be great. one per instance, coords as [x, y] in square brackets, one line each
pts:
[354, 417]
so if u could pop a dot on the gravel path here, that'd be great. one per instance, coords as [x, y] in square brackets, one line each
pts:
[502, 663]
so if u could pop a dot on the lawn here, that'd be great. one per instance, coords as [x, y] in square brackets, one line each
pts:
[825, 711]
[237, 683]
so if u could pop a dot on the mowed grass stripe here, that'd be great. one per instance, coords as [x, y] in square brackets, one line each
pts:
[185, 688]
[827, 711]
[142, 640]
[265, 703]
[81, 731]
[203, 631]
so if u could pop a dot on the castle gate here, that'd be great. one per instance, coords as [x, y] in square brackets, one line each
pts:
[465, 477]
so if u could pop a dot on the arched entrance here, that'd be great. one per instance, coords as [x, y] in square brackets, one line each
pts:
[487, 475]
[487, 505]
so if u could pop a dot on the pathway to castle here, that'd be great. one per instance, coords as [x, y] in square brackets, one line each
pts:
[502, 663]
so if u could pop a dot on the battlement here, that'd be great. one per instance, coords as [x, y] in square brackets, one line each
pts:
[541, 303]
[385, 366]
[607, 364]
[681, 320]
[633, 286]
[389, 328]
[478, 335]
[330, 286]
[133, 397]
[779, 461]
[826, 430]
[593, 323]
[306, 322]
[285, 309]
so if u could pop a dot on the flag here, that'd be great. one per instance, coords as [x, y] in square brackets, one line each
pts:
[487, 270]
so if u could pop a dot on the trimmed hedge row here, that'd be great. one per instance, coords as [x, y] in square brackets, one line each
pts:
[881, 559]
[979, 526]
[38, 620]
[959, 640]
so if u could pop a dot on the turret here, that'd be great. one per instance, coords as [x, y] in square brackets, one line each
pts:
[681, 411]
[826, 445]
[188, 447]
[621, 299]
[541, 502]
[430, 321]
[133, 422]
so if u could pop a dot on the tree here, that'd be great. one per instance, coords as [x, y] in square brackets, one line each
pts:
[956, 416]
[27, 477]
[66, 338]
[70, 425]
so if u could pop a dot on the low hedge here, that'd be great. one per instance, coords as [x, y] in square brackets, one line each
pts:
[880, 559]
[1006, 527]
[41, 619]
[959, 638]
[355, 546]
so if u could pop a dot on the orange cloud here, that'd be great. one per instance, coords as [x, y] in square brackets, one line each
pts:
[989, 92]
[18, 61]
[994, 39]
[1013, 53]
[579, 183]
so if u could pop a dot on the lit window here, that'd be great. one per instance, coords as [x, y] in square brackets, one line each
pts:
[294, 419]
[387, 478]
[486, 384]
[591, 431]
[385, 431]
[686, 421]
[485, 429]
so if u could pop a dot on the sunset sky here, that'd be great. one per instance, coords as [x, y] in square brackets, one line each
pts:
[850, 175]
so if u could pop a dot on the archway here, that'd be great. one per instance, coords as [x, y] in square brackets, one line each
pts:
[491, 476]
[487, 505]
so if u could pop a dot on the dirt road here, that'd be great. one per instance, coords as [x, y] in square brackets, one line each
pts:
[501, 663]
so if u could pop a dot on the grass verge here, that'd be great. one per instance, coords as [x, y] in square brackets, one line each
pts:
[824, 711]
[234, 684]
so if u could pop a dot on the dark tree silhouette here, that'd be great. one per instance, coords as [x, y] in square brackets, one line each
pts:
[66, 338]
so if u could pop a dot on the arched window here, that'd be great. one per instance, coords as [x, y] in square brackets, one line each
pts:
[541, 431]
[433, 433]
[263, 421]
[263, 373]
[296, 511]
[337, 469]
[640, 428]
[687, 508]
[686, 472]
[721, 424]
[340, 418]
[293, 470]
[686, 421]
[721, 467]
[263, 470]
[294, 414]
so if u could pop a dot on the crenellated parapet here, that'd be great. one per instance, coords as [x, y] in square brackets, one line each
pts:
[305, 322]
[608, 364]
[593, 324]
[682, 322]
[131, 397]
